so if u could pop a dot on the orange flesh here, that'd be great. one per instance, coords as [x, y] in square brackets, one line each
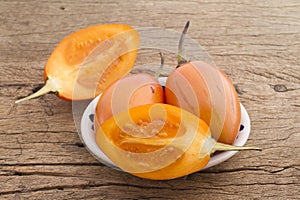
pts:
[116, 46]
[186, 88]
[111, 136]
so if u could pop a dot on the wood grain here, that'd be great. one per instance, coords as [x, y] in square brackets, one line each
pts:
[257, 43]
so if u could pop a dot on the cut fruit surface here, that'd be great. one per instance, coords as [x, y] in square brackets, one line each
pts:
[87, 61]
[156, 141]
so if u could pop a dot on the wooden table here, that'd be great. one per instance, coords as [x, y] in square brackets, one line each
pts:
[257, 43]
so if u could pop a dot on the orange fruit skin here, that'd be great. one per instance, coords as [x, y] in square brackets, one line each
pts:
[144, 90]
[187, 88]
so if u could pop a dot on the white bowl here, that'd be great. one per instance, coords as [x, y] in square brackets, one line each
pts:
[88, 135]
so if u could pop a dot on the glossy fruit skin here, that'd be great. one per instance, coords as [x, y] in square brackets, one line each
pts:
[110, 135]
[128, 92]
[187, 88]
[67, 59]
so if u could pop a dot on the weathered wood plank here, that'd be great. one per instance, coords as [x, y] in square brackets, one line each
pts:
[68, 178]
[256, 43]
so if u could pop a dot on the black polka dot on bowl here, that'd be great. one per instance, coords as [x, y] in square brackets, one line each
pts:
[91, 117]
[242, 127]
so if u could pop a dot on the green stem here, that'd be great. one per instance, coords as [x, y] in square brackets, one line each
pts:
[162, 61]
[226, 147]
[50, 86]
[181, 50]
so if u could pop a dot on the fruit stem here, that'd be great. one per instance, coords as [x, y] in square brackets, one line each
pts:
[162, 61]
[49, 86]
[226, 147]
[181, 50]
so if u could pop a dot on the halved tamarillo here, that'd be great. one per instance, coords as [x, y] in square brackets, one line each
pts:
[207, 92]
[158, 141]
[87, 61]
[128, 92]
